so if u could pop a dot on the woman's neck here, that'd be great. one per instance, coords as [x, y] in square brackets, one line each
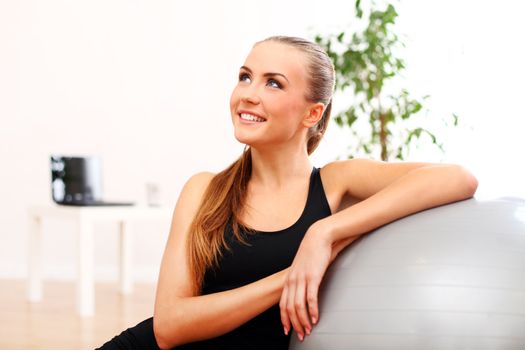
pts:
[276, 168]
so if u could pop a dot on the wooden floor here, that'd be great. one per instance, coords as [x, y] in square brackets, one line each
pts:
[53, 323]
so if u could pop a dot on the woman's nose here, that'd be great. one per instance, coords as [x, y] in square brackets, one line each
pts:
[250, 94]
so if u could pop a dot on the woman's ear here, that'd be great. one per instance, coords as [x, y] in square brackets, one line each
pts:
[314, 114]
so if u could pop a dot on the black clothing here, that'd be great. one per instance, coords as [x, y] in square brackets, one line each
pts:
[140, 337]
[266, 253]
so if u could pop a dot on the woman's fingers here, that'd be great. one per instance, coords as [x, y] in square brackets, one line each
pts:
[299, 304]
[285, 320]
[294, 307]
[312, 291]
[290, 307]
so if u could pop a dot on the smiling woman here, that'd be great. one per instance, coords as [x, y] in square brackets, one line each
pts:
[271, 89]
[249, 246]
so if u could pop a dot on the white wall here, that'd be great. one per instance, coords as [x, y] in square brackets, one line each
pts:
[145, 84]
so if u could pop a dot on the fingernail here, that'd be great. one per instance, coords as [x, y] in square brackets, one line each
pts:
[308, 331]
[314, 320]
[285, 331]
[300, 336]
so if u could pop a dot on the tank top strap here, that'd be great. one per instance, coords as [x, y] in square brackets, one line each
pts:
[317, 205]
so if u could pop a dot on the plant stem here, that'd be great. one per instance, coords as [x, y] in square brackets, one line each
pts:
[382, 129]
[383, 137]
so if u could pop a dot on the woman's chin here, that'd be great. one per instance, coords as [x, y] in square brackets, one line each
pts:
[247, 143]
[245, 139]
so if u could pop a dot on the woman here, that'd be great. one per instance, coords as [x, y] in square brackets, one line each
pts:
[248, 247]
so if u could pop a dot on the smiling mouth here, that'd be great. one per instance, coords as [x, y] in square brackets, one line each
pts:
[251, 118]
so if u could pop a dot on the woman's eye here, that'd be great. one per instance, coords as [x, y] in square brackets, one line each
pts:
[274, 83]
[244, 77]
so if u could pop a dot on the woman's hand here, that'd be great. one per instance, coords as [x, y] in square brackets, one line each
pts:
[299, 297]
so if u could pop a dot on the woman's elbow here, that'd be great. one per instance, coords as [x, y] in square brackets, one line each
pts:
[466, 182]
[165, 335]
[160, 333]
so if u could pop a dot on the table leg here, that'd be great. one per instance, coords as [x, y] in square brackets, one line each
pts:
[126, 246]
[86, 283]
[34, 288]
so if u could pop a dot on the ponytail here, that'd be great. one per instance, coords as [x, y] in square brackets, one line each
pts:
[222, 204]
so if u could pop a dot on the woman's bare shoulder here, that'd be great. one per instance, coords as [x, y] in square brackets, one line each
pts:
[200, 179]
[341, 179]
[196, 185]
[335, 167]
[332, 172]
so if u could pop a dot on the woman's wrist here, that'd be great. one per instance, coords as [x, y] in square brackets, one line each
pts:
[324, 230]
[280, 278]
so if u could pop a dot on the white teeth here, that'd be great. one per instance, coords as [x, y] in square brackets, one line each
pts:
[252, 118]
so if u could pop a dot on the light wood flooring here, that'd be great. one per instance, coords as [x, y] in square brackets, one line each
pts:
[53, 322]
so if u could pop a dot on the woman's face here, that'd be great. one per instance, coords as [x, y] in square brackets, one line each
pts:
[268, 106]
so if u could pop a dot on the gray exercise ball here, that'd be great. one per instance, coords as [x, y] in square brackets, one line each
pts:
[451, 277]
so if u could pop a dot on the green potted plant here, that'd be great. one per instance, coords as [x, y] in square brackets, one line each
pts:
[365, 63]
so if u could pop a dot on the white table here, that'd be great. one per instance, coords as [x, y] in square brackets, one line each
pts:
[84, 218]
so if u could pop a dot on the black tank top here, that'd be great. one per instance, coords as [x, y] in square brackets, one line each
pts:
[266, 253]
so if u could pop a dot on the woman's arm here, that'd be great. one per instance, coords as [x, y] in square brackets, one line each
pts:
[181, 316]
[386, 192]
[401, 194]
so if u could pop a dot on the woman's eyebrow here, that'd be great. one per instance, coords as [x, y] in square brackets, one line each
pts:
[269, 74]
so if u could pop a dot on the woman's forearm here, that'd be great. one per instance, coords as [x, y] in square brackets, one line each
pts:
[420, 189]
[207, 316]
